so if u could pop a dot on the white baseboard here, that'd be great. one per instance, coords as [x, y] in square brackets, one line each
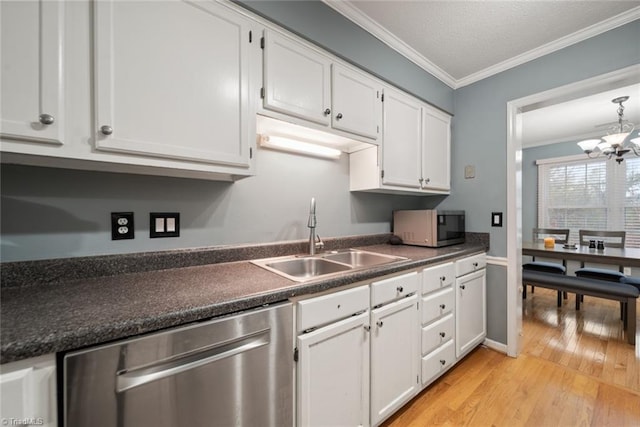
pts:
[495, 345]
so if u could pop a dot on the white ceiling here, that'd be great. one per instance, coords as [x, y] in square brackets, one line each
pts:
[461, 42]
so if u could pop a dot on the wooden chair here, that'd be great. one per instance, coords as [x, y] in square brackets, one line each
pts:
[561, 236]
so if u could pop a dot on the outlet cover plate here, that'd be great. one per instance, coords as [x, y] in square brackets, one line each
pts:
[122, 225]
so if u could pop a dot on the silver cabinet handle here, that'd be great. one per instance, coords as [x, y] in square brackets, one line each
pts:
[106, 130]
[327, 112]
[442, 306]
[427, 180]
[443, 278]
[379, 323]
[442, 362]
[442, 334]
[367, 328]
[463, 287]
[475, 265]
[339, 116]
[46, 119]
[400, 289]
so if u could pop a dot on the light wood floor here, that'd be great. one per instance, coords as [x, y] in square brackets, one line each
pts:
[576, 369]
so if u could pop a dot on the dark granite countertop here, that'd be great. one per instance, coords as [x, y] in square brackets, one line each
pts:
[49, 318]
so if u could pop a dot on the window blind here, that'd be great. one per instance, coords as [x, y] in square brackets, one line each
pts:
[593, 194]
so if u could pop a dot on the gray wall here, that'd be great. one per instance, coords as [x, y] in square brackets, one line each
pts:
[56, 213]
[497, 303]
[480, 123]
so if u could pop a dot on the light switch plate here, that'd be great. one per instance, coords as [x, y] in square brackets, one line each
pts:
[469, 172]
[164, 224]
[496, 219]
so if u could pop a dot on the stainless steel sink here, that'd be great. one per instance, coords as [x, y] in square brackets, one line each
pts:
[300, 268]
[357, 258]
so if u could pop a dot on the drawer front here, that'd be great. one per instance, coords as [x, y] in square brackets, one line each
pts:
[321, 310]
[437, 362]
[470, 264]
[438, 277]
[438, 333]
[393, 288]
[437, 305]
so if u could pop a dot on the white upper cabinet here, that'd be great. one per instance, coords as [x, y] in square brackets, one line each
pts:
[356, 102]
[415, 153]
[401, 140]
[436, 149]
[296, 79]
[304, 86]
[177, 86]
[32, 105]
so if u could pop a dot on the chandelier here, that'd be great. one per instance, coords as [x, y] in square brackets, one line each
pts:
[613, 144]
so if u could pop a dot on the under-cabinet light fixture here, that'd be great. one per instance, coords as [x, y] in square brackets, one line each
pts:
[299, 147]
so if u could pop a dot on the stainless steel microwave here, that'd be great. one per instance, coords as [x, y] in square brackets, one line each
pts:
[428, 227]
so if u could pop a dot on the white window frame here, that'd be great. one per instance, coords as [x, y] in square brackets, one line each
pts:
[615, 175]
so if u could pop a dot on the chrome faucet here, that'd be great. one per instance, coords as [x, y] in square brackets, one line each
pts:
[314, 240]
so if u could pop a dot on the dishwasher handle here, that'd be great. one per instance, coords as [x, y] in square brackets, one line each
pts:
[127, 380]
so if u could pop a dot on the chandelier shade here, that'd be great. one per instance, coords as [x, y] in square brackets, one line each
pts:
[614, 145]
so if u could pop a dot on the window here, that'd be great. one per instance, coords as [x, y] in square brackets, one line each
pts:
[593, 194]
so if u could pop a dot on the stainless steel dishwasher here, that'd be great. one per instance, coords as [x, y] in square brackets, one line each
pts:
[232, 371]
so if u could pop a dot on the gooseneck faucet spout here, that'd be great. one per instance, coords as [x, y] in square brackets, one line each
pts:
[312, 229]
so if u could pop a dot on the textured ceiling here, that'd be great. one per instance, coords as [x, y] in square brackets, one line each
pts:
[468, 38]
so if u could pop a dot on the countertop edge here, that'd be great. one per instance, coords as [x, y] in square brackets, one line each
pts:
[85, 337]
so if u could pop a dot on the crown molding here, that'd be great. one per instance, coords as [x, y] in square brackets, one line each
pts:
[381, 33]
[371, 26]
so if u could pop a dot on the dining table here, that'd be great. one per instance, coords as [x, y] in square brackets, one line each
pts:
[627, 257]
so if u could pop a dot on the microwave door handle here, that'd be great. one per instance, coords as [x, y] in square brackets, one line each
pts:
[137, 377]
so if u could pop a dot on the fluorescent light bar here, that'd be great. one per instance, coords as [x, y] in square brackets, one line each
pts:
[291, 145]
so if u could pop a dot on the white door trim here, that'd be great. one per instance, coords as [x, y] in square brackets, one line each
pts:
[575, 90]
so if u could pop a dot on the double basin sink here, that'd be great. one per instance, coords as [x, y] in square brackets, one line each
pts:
[305, 267]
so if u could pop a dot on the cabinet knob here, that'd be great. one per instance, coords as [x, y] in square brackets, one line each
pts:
[379, 323]
[427, 180]
[443, 278]
[46, 119]
[463, 287]
[367, 328]
[400, 289]
[106, 130]
[442, 306]
[475, 265]
[442, 334]
[327, 112]
[420, 180]
[339, 116]
[443, 362]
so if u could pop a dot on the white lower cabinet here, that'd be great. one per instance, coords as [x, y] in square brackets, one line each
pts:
[333, 359]
[471, 303]
[438, 321]
[394, 365]
[28, 390]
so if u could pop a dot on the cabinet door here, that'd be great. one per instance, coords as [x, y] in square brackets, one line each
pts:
[471, 317]
[31, 78]
[296, 79]
[395, 356]
[357, 107]
[402, 130]
[175, 87]
[333, 374]
[436, 140]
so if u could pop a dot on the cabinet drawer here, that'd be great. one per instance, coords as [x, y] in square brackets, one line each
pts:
[393, 288]
[470, 264]
[437, 277]
[329, 308]
[437, 362]
[437, 333]
[437, 305]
